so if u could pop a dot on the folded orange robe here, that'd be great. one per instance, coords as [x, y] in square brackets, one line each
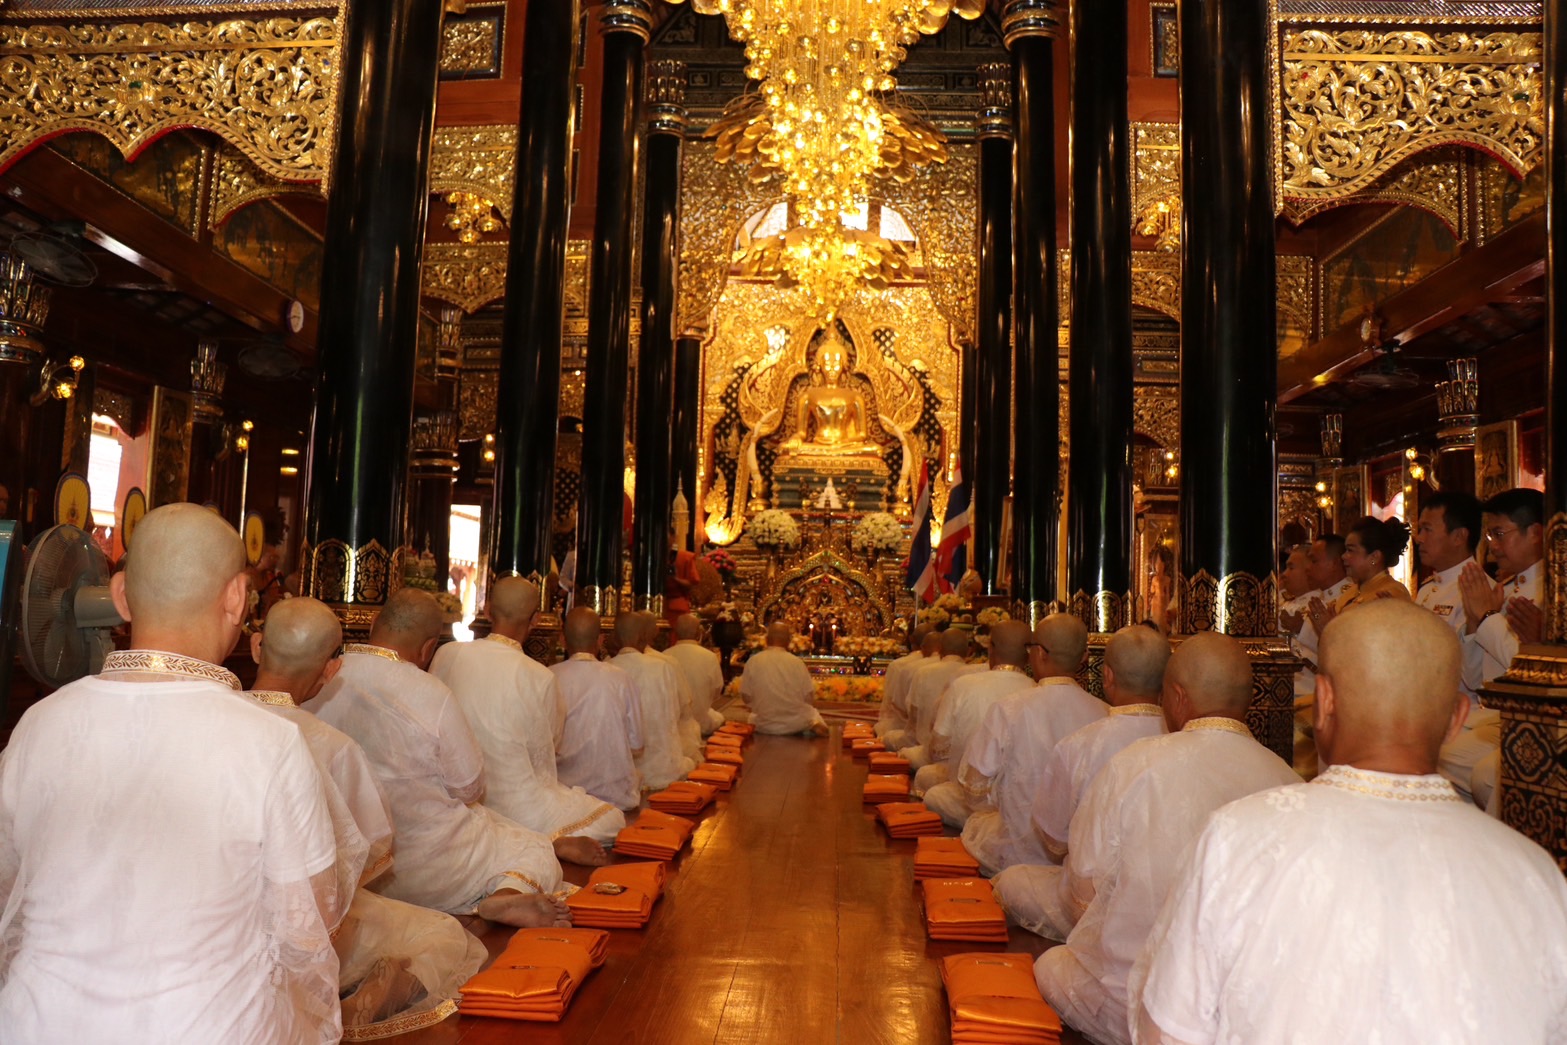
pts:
[857, 731]
[721, 777]
[594, 941]
[993, 998]
[533, 979]
[880, 788]
[943, 858]
[726, 740]
[629, 909]
[683, 796]
[888, 762]
[739, 729]
[656, 835]
[864, 748]
[726, 755]
[963, 909]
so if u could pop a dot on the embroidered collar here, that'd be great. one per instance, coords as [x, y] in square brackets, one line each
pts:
[1057, 680]
[276, 698]
[372, 651]
[1216, 724]
[1388, 785]
[175, 665]
[583, 656]
[1136, 710]
[509, 643]
[1009, 667]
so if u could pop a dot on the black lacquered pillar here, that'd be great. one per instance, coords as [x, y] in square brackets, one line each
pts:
[1229, 381]
[655, 489]
[528, 398]
[992, 474]
[627, 25]
[1030, 28]
[432, 475]
[370, 307]
[1099, 468]
[688, 406]
[1532, 695]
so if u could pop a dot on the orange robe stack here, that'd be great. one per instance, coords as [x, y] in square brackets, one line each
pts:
[886, 788]
[908, 819]
[720, 776]
[729, 756]
[683, 796]
[963, 909]
[535, 977]
[889, 762]
[658, 836]
[620, 896]
[858, 731]
[993, 999]
[864, 748]
[943, 858]
[726, 740]
[738, 729]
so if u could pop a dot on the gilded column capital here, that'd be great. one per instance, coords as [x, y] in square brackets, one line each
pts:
[1021, 18]
[628, 16]
[666, 97]
[995, 112]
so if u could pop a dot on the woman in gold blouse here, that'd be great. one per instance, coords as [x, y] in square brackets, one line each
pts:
[1371, 548]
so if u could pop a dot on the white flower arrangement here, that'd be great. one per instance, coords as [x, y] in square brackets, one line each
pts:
[991, 616]
[934, 615]
[799, 644]
[775, 528]
[878, 532]
[952, 602]
[875, 646]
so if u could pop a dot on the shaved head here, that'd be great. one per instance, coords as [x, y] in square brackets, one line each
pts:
[581, 631]
[1215, 672]
[688, 627]
[1138, 655]
[1009, 642]
[299, 637]
[930, 643]
[1394, 670]
[628, 629]
[514, 600]
[410, 618]
[779, 634]
[184, 558]
[1065, 639]
[649, 626]
[955, 642]
[920, 631]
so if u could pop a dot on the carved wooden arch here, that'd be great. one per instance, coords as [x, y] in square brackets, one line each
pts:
[828, 567]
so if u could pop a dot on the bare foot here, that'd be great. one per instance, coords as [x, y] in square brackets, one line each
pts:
[524, 910]
[818, 730]
[575, 849]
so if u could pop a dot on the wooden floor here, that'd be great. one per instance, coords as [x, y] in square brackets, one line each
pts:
[792, 918]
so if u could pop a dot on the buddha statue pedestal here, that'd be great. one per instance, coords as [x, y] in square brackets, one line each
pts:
[798, 480]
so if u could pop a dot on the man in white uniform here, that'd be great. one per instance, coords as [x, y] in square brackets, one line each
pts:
[603, 732]
[1297, 591]
[1135, 659]
[1137, 819]
[453, 854]
[167, 862]
[779, 690]
[959, 713]
[1500, 617]
[516, 712]
[663, 760]
[1010, 749]
[1373, 904]
[700, 667]
[400, 966]
[892, 722]
[926, 687]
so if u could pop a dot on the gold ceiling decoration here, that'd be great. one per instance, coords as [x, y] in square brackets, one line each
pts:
[1434, 181]
[1357, 101]
[479, 159]
[237, 182]
[472, 216]
[1161, 220]
[468, 276]
[131, 82]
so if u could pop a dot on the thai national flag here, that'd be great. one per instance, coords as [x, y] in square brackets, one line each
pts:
[952, 554]
[922, 576]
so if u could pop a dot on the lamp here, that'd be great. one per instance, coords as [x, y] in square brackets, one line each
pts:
[24, 306]
[207, 378]
[58, 380]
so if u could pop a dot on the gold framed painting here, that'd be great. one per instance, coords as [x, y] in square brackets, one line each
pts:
[168, 456]
[1496, 459]
[1350, 501]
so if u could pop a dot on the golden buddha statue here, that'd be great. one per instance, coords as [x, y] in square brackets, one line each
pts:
[832, 418]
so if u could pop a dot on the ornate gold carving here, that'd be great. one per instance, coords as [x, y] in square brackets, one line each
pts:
[1239, 604]
[274, 100]
[481, 160]
[1357, 101]
[1156, 164]
[468, 46]
[1033, 613]
[236, 182]
[825, 581]
[1434, 181]
[468, 276]
[476, 402]
[1504, 200]
[1534, 748]
[1271, 716]
[1555, 594]
[1156, 413]
[1296, 282]
[716, 198]
[335, 573]
[573, 393]
[603, 601]
[1103, 611]
[941, 206]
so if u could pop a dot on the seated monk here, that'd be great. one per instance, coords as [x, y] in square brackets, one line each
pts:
[663, 759]
[689, 730]
[1374, 903]
[893, 715]
[779, 690]
[928, 686]
[453, 854]
[699, 666]
[516, 712]
[603, 732]
[399, 966]
[168, 870]
[1139, 816]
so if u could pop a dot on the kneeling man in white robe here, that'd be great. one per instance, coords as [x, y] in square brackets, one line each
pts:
[663, 759]
[703, 673]
[603, 732]
[778, 688]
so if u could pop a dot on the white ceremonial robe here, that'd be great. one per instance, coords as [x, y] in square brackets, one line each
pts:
[1137, 820]
[1005, 757]
[1331, 596]
[705, 676]
[926, 687]
[779, 690]
[377, 932]
[513, 704]
[166, 866]
[959, 713]
[1306, 677]
[1482, 730]
[1488, 653]
[893, 717]
[689, 729]
[663, 759]
[603, 728]
[450, 854]
[1407, 916]
[1032, 894]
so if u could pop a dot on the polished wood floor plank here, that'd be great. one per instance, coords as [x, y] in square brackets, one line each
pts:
[792, 918]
